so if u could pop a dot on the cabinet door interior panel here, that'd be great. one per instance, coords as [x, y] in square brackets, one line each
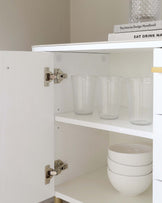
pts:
[26, 127]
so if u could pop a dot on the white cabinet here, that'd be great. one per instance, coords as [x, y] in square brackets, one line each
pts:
[38, 125]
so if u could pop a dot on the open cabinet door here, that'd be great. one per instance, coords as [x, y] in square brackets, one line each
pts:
[26, 127]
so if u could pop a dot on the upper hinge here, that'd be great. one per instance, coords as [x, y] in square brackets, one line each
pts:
[56, 77]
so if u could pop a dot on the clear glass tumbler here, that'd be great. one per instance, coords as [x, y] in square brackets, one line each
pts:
[140, 100]
[83, 93]
[109, 99]
[144, 10]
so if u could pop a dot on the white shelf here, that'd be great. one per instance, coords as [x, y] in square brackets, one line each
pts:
[96, 188]
[120, 125]
[99, 47]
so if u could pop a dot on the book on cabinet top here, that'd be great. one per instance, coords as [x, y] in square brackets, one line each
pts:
[136, 27]
[134, 36]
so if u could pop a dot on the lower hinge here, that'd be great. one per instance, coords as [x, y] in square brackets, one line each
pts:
[55, 77]
[59, 166]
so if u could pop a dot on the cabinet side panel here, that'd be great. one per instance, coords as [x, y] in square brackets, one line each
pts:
[157, 128]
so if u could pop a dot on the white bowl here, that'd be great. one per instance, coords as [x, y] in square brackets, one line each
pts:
[131, 154]
[130, 185]
[129, 170]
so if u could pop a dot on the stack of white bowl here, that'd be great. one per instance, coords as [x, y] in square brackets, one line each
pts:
[130, 168]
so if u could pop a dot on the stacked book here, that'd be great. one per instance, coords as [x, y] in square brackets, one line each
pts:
[137, 31]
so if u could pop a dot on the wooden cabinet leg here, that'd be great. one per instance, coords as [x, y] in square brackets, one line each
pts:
[57, 200]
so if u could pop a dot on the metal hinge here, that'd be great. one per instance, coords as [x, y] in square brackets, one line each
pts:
[56, 77]
[59, 166]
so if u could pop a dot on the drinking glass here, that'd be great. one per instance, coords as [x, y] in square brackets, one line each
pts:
[83, 93]
[140, 100]
[109, 97]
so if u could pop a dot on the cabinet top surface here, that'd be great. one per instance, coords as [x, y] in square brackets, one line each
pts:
[99, 47]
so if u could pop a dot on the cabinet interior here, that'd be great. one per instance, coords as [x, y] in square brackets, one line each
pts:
[83, 148]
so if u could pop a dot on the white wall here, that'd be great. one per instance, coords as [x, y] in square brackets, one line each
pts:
[92, 20]
[29, 22]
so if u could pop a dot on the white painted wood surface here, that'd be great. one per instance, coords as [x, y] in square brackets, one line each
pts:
[157, 62]
[157, 149]
[158, 93]
[120, 125]
[95, 187]
[157, 194]
[26, 127]
[99, 47]
[157, 129]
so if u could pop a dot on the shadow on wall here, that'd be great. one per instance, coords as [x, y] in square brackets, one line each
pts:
[26, 23]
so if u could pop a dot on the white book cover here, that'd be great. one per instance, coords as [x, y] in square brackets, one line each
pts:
[132, 36]
[136, 27]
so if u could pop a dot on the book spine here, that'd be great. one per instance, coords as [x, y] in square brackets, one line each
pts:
[132, 36]
[136, 27]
